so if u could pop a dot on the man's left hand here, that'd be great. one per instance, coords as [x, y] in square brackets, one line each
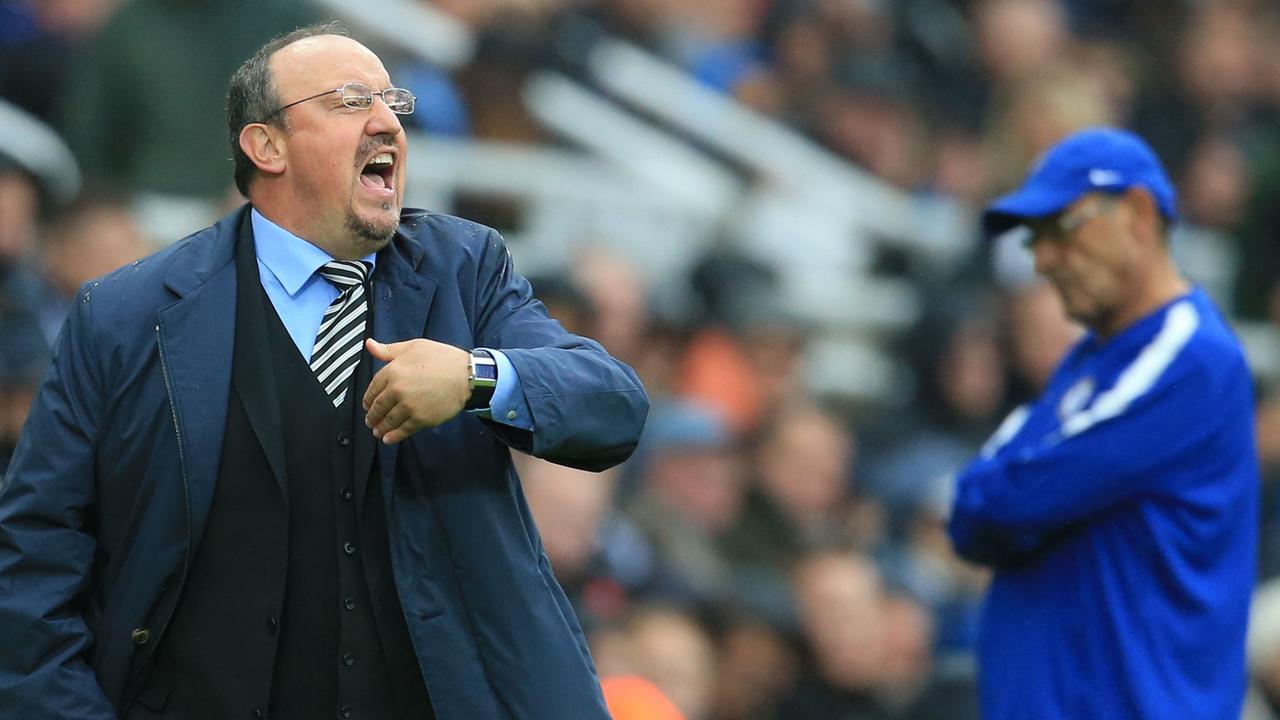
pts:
[423, 384]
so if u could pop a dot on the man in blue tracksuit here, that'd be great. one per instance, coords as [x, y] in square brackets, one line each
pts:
[1118, 509]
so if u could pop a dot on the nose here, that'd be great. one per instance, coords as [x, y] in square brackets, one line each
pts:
[382, 120]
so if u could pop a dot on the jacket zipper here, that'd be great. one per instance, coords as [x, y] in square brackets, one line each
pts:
[182, 468]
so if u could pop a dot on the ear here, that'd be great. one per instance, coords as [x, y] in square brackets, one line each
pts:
[266, 147]
[1144, 214]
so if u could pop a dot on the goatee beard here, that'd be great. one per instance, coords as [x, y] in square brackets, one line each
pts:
[368, 235]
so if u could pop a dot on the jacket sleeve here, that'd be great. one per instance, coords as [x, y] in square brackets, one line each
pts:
[587, 407]
[46, 542]
[1014, 502]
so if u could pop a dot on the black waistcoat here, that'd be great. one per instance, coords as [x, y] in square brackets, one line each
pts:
[290, 609]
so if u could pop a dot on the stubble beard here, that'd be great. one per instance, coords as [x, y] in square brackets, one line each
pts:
[1073, 311]
[370, 237]
[1092, 314]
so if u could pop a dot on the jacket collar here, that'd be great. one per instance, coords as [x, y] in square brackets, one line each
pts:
[205, 253]
[213, 248]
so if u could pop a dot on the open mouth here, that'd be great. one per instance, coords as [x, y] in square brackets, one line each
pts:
[378, 174]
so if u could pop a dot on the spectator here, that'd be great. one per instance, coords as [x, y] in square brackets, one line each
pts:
[616, 292]
[690, 495]
[960, 388]
[37, 177]
[599, 558]
[40, 44]
[671, 649]
[144, 109]
[23, 356]
[1020, 39]
[758, 665]
[94, 236]
[744, 358]
[841, 603]
[631, 697]
[566, 302]
[800, 499]
[908, 653]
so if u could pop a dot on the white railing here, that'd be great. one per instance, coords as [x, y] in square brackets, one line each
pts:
[419, 28]
[670, 167]
[782, 155]
[568, 199]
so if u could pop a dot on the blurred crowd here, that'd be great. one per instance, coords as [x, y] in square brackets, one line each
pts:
[767, 553]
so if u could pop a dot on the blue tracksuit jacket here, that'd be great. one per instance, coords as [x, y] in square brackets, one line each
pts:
[1120, 514]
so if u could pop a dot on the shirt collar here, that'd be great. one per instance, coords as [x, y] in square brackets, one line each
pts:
[290, 258]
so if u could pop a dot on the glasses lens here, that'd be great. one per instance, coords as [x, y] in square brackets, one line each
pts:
[357, 95]
[400, 101]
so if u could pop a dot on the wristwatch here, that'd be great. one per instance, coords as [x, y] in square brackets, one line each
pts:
[482, 379]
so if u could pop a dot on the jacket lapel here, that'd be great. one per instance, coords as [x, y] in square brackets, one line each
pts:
[401, 299]
[196, 335]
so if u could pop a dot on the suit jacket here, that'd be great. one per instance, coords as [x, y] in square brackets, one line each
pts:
[107, 496]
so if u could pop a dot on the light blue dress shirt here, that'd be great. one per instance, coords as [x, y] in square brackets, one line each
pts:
[287, 265]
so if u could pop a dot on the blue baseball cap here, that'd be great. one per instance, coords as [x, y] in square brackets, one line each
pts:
[1098, 159]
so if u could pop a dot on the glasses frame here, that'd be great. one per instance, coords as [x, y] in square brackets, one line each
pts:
[349, 99]
[1060, 227]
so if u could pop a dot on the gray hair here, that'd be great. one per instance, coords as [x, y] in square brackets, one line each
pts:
[252, 96]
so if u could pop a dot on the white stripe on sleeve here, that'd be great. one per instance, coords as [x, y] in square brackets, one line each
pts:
[1007, 430]
[1179, 325]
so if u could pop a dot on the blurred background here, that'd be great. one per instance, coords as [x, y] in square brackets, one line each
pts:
[768, 208]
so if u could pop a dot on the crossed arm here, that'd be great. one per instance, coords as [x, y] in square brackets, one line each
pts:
[1018, 500]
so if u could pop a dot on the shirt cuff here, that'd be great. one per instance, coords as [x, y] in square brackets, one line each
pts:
[508, 405]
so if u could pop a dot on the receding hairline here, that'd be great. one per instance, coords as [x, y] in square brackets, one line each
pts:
[311, 44]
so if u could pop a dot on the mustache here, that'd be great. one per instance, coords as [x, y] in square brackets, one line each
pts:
[371, 143]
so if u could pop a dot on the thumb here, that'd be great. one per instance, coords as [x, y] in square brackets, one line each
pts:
[385, 351]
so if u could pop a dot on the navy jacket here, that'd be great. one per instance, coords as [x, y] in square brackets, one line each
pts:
[104, 504]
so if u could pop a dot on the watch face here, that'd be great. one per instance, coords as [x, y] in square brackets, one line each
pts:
[484, 379]
[484, 368]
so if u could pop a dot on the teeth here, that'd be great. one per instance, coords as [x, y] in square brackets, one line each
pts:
[382, 159]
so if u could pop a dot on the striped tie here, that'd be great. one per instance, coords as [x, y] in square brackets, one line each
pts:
[341, 333]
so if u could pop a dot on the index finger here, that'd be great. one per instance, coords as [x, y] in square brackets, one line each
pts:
[378, 408]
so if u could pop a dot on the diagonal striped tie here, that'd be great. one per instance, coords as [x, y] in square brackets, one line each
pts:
[341, 333]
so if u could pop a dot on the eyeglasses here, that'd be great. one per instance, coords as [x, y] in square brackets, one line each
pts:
[359, 96]
[1060, 226]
